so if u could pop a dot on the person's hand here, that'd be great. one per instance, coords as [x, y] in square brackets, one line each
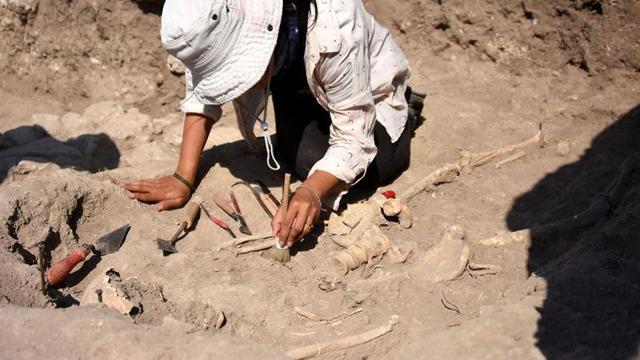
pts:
[304, 209]
[167, 191]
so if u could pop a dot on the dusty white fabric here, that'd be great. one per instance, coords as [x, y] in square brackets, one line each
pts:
[225, 44]
[356, 71]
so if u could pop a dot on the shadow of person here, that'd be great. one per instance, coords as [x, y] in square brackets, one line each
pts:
[592, 307]
[88, 152]
[239, 160]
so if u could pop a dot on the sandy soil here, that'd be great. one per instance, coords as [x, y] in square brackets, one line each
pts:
[89, 100]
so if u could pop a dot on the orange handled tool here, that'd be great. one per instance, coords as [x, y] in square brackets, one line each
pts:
[107, 244]
[228, 208]
[223, 225]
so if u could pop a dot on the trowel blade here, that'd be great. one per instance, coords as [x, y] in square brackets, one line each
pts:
[111, 242]
[166, 247]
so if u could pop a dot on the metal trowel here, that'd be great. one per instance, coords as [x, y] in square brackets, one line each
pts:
[106, 244]
[191, 211]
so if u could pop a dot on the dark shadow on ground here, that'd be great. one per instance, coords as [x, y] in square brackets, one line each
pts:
[592, 309]
[150, 7]
[88, 152]
[240, 161]
[248, 166]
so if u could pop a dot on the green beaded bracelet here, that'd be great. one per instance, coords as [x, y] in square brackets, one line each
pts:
[184, 181]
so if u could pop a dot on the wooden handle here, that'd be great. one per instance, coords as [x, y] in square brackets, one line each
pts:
[58, 272]
[268, 204]
[285, 196]
[219, 222]
[274, 200]
[234, 201]
[191, 211]
[223, 204]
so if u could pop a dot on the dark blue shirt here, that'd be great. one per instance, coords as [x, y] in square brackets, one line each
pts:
[288, 42]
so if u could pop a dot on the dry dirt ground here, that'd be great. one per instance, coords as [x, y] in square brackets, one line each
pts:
[88, 100]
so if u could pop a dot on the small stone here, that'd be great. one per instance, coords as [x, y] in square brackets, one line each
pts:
[25, 167]
[564, 148]
[20, 7]
[175, 66]
[159, 80]
[491, 51]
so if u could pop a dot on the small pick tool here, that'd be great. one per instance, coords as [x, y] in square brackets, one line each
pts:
[191, 212]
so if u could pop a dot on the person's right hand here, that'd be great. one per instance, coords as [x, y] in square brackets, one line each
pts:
[167, 191]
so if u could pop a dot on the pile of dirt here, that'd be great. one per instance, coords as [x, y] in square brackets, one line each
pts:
[595, 36]
[46, 153]
[108, 335]
[75, 53]
[80, 52]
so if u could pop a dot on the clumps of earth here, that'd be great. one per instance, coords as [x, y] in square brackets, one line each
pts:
[48, 197]
[147, 304]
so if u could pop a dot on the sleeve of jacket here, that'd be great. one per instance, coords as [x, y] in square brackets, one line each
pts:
[344, 77]
[191, 105]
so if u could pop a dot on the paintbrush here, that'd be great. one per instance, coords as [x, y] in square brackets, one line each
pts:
[282, 253]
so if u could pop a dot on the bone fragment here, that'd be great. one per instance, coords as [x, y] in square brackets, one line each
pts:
[372, 244]
[335, 226]
[517, 156]
[392, 207]
[395, 255]
[467, 161]
[308, 314]
[109, 295]
[378, 204]
[245, 239]
[353, 214]
[444, 175]
[473, 160]
[253, 248]
[448, 259]
[404, 217]
[315, 350]
[476, 269]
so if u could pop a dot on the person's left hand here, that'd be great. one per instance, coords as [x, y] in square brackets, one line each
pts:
[304, 209]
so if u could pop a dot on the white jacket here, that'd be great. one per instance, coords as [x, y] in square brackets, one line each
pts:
[355, 70]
